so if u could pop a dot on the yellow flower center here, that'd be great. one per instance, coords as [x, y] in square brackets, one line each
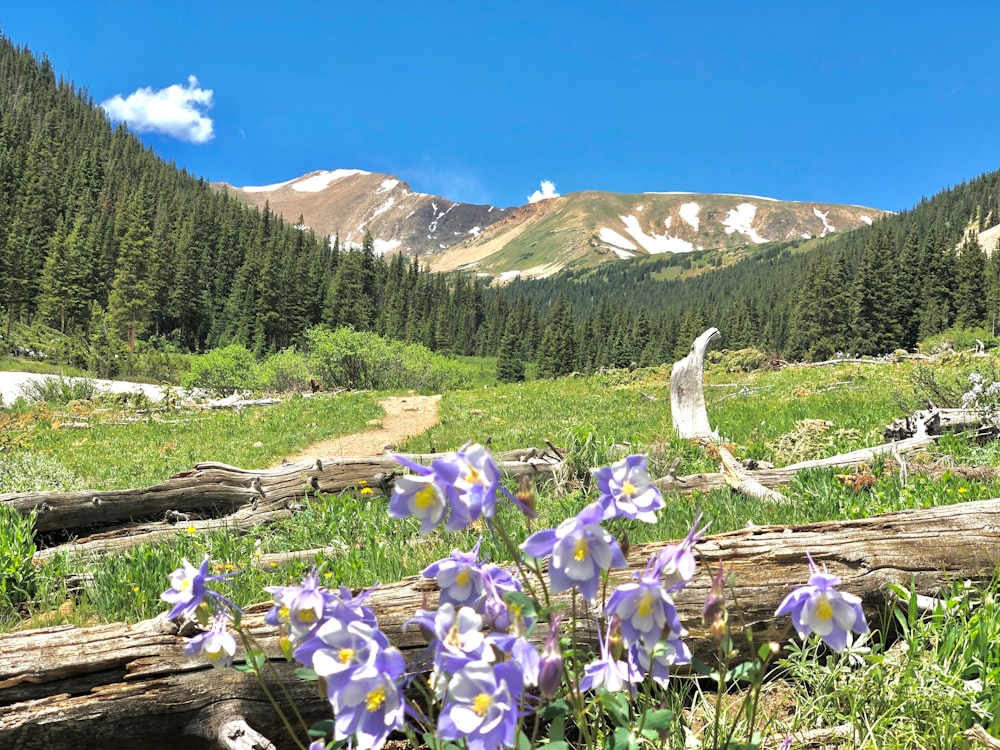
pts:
[345, 655]
[454, 639]
[375, 698]
[213, 655]
[185, 584]
[284, 613]
[824, 610]
[475, 476]
[645, 605]
[424, 497]
[462, 579]
[580, 549]
[481, 703]
[628, 489]
[307, 615]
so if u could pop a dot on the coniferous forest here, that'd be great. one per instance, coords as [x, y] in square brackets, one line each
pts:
[110, 247]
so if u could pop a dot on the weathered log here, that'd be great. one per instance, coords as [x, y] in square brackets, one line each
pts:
[219, 489]
[687, 400]
[118, 685]
[740, 480]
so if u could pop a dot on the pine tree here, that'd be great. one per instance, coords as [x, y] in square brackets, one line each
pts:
[970, 289]
[819, 322]
[557, 350]
[131, 298]
[510, 362]
[875, 329]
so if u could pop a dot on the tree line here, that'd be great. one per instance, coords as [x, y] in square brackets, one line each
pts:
[104, 241]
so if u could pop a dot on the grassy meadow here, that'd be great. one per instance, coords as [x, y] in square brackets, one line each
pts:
[945, 666]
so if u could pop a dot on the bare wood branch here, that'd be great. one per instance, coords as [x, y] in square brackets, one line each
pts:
[687, 400]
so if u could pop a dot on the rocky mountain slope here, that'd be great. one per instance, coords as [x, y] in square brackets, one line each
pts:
[592, 227]
[539, 238]
[349, 202]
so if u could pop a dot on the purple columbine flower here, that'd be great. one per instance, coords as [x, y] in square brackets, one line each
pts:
[456, 636]
[427, 493]
[608, 672]
[482, 705]
[644, 609]
[216, 643]
[339, 649]
[370, 705]
[626, 490]
[675, 563]
[493, 606]
[819, 608]
[459, 577]
[580, 551]
[658, 661]
[188, 589]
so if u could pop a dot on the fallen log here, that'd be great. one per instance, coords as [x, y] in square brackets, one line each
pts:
[218, 489]
[130, 686]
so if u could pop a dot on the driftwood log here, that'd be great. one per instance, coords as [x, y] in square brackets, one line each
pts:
[215, 495]
[130, 686]
[687, 399]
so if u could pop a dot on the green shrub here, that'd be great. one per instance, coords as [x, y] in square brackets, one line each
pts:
[17, 548]
[34, 472]
[346, 358]
[957, 339]
[288, 370]
[232, 368]
[59, 390]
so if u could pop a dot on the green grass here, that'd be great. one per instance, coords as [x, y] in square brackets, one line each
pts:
[116, 454]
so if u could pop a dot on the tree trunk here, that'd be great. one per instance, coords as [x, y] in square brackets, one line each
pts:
[130, 686]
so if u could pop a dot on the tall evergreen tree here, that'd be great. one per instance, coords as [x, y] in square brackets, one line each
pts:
[557, 350]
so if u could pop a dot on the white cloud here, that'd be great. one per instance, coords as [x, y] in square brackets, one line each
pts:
[177, 111]
[548, 191]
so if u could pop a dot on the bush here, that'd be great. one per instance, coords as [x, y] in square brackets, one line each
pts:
[288, 370]
[957, 339]
[346, 358]
[59, 390]
[232, 368]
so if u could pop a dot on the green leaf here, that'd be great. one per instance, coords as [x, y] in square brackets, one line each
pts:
[746, 671]
[657, 719]
[322, 728]
[557, 745]
[616, 706]
[306, 674]
[622, 739]
[522, 742]
[555, 709]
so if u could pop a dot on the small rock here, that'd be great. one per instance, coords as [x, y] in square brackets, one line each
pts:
[258, 444]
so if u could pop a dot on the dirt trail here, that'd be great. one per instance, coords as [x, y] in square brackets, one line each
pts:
[405, 416]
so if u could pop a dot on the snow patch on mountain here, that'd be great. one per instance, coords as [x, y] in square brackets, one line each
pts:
[613, 238]
[866, 219]
[827, 226]
[740, 220]
[476, 231]
[623, 254]
[655, 244]
[386, 246]
[266, 188]
[321, 180]
[689, 212]
[386, 186]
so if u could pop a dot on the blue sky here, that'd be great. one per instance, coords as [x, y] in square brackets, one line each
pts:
[871, 103]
